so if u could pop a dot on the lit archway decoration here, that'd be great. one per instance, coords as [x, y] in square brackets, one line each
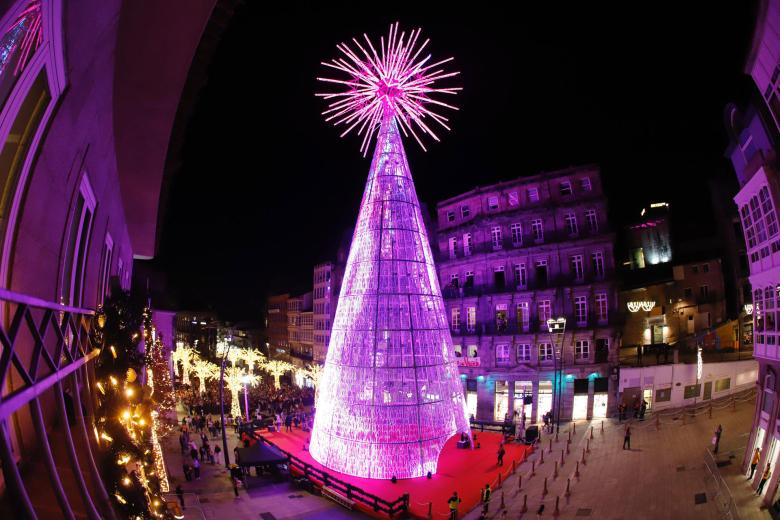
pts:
[635, 306]
[391, 395]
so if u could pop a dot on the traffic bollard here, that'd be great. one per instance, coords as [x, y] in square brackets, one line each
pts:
[524, 509]
[562, 454]
[557, 511]
[583, 456]
[577, 470]
[519, 482]
[544, 490]
[568, 483]
[533, 468]
[555, 471]
[430, 510]
[587, 446]
[503, 505]
[602, 427]
[541, 457]
[549, 449]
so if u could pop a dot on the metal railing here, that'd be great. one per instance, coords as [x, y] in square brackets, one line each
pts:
[322, 478]
[48, 346]
[720, 491]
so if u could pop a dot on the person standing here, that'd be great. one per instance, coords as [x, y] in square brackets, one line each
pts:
[235, 485]
[454, 502]
[180, 494]
[486, 492]
[627, 437]
[501, 453]
[217, 455]
[716, 438]
[764, 478]
[754, 462]
[196, 465]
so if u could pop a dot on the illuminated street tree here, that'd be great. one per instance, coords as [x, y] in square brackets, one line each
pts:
[203, 370]
[234, 380]
[277, 368]
[314, 372]
[390, 396]
[253, 358]
[185, 355]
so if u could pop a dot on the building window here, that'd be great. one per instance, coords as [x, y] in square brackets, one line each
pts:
[499, 277]
[465, 211]
[453, 247]
[582, 349]
[598, 264]
[455, 314]
[581, 310]
[533, 195]
[695, 269]
[565, 188]
[466, 244]
[492, 203]
[524, 352]
[704, 291]
[537, 229]
[517, 234]
[502, 354]
[545, 352]
[521, 276]
[688, 293]
[541, 273]
[78, 245]
[593, 223]
[469, 279]
[473, 351]
[495, 236]
[501, 318]
[106, 255]
[454, 282]
[585, 184]
[544, 311]
[450, 216]
[514, 200]
[523, 316]
[471, 318]
[577, 268]
[602, 307]
[570, 220]
[705, 268]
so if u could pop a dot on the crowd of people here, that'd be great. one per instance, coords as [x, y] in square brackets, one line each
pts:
[263, 397]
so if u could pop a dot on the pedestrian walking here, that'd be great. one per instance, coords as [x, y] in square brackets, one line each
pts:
[486, 492]
[642, 410]
[754, 462]
[180, 494]
[217, 455]
[235, 485]
[764, 478]
[627, 437]
[716, 438]
[501, 453]
[187, 472]
[196, 467]
[453, 503]
[288, 423]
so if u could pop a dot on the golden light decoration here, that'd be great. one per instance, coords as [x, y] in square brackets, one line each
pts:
[203, 370]
[131, 375]
[234, 380]
[277, 368]
[186, 356]
[252, 357]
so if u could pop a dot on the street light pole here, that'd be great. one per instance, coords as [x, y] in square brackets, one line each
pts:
[222, 404]
[557, 328]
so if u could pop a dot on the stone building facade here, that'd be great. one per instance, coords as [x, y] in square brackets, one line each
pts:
[513, 255]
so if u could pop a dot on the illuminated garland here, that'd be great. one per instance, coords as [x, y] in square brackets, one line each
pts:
[131, 416]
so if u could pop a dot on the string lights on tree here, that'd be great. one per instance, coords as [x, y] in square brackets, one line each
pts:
[203, 370]
[277, 368]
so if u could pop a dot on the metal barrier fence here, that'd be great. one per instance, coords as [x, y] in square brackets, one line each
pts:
[324, 479]
[719, 490]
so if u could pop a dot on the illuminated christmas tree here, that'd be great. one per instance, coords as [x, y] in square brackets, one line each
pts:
[391, 395]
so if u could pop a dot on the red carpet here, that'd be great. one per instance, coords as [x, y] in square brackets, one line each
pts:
[464, 471]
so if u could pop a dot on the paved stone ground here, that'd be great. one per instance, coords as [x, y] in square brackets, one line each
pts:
[658, 479]
[212, 496]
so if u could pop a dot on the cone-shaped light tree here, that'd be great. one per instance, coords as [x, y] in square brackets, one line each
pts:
[203, 370]
[185, 355]
[391, 395]
[277, 368]
[234, 380]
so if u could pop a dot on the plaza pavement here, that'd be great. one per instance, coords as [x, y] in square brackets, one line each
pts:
[658, 479]
[212, 496]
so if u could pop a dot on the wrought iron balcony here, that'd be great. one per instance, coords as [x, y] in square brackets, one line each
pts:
[49, 346]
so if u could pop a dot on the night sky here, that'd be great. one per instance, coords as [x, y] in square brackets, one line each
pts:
[267, 187]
